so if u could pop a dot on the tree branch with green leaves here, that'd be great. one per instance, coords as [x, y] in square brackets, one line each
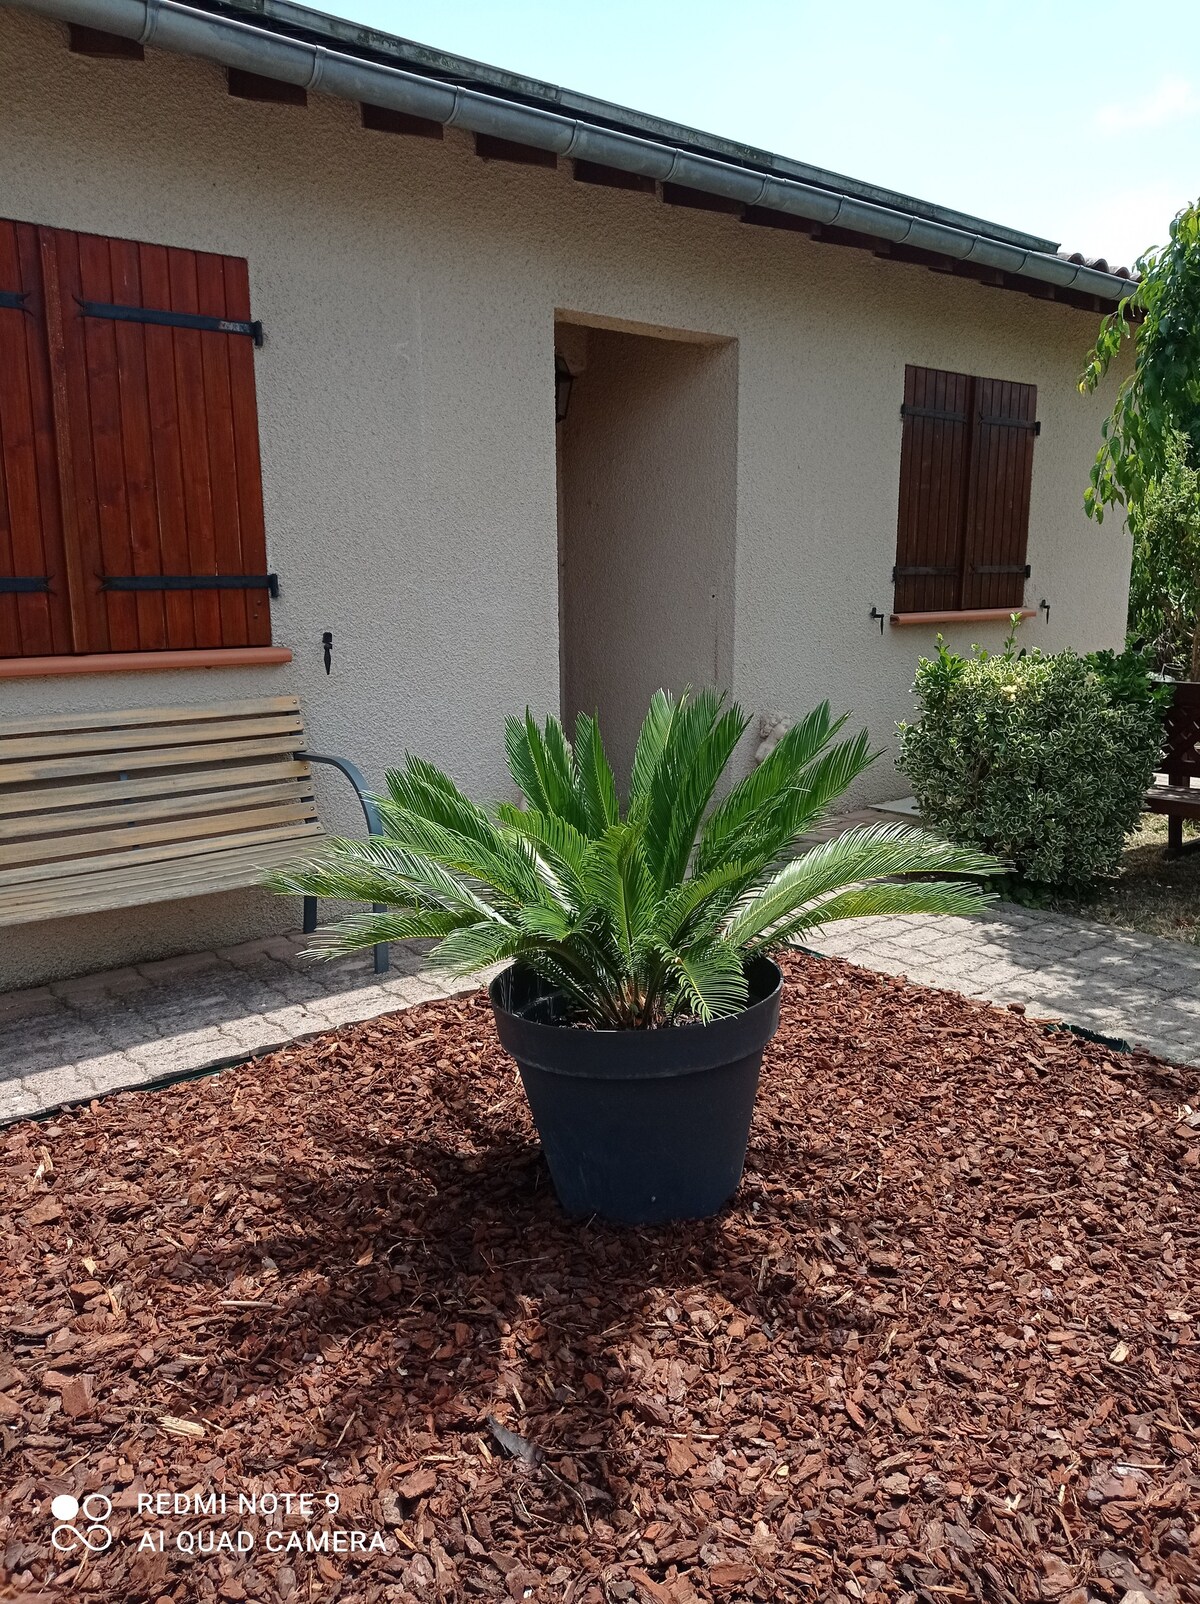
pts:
[1160, 318]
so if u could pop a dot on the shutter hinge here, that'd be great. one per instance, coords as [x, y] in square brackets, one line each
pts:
[907, 411]
[1012, 423]
[1004, 568]
[268, 582]
[14, 300]
[24, 587]
[171, 320]
[920, 572]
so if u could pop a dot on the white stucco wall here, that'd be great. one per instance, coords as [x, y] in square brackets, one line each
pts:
[409, 293]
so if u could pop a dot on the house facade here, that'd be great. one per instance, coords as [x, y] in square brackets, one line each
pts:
[526, 426]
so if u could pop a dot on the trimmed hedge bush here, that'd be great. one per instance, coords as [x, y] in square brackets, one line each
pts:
[1040, 760]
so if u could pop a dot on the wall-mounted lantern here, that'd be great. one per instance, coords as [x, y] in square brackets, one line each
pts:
[563, 380]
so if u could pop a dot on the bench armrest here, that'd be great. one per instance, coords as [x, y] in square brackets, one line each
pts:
[374, 827]
[357, 779]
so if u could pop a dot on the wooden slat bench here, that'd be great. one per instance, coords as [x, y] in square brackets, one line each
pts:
[100, 811]
[1178, 798]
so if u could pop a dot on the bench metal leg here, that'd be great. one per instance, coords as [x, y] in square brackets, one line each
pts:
[383, 953]
[374, 827]
[1174, 833]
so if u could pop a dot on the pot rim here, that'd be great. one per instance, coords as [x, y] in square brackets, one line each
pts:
[621, 1035]
[622, 1054]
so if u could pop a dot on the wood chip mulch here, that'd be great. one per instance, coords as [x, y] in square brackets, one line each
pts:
[945, 1344]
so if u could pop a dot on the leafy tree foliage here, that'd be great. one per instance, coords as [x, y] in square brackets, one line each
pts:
[644, 915]
[1164, 588]
[1161, 397]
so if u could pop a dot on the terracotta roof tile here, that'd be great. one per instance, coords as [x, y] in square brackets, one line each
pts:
[1100, 264]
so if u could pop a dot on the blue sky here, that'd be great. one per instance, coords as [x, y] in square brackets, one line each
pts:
[1075, 119]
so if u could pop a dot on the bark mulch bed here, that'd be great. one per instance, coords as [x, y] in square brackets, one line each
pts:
[943, 1346]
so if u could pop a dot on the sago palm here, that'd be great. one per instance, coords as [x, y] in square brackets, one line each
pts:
[644, 917]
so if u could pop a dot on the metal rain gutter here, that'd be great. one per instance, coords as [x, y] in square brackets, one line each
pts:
[168, 25]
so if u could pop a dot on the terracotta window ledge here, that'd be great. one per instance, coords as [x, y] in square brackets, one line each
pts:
[970, 615]
[142, 662]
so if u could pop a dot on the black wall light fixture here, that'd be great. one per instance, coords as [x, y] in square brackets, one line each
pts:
[563, 380]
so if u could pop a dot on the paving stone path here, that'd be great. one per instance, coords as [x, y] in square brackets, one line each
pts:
[1142, 989]
[77, 1039]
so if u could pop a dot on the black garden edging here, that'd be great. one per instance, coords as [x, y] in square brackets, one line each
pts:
[639, 1126]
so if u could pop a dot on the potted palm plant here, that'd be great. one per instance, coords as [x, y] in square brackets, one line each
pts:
[639, 990]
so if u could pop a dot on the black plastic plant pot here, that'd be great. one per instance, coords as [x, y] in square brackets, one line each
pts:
[639, 1126]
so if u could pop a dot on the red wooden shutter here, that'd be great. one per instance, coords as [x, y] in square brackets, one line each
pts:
[141, 442]
[164, 444]
[934, 454]
[35, 615]
[997, 520]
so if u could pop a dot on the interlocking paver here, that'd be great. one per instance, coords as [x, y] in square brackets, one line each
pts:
[254, 1033]
[22, 1004]
[1141, 988]
[296, 1020]
[80, 1039]
[190, 1047]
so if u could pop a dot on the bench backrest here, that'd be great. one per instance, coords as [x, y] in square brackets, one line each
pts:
[82, 793]
[1181, 736]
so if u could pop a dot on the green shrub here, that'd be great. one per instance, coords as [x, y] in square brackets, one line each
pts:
[1040, 760]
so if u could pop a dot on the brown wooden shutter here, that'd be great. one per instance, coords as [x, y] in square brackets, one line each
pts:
[151, 435]
[997, 520]
[34, 608]
[966, 466]
[934, 458]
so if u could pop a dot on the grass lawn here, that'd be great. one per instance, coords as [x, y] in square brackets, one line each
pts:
[1154, 893]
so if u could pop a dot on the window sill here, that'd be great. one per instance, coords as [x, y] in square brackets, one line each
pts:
[975, 615]
[144, 662]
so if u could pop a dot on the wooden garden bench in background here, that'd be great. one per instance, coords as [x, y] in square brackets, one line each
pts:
[1178, 798]
[100, 811]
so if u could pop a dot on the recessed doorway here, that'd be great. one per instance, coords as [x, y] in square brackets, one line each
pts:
[647, 509]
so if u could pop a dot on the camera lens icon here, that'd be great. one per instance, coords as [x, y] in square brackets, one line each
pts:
[94, 1535]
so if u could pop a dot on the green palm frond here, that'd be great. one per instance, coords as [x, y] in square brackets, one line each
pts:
[684, 784]
[421, 789]
[558, 846]
[797, 801]
[620, 886]
[360, 930]
[377, 870]
[489, 859]
[695, 910]
[543, 765]
[778, 771]
[473, 947]
[863, 854]
[598, 788]
[877, 898]
[522, 764]
[651, 742]
[712, 980]
[640, 920]
[547, 923]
